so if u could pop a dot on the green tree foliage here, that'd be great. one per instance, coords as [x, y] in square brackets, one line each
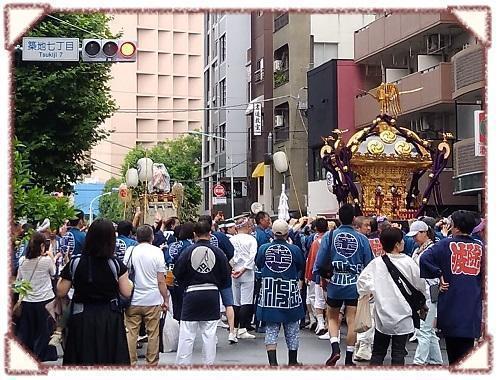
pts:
[182, 158]
[110, 207]
[32, 202]
[61, 106]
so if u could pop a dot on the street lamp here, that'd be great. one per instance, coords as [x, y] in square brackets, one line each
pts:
[91, 215]
[230, 162]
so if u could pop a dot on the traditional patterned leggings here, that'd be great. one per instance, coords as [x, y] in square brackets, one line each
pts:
[292, 330]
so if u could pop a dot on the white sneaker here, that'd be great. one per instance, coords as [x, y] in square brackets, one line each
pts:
[325, 336]
[321, 329]
[244, 334]
[56, 339]
[232, 338]
[222, 324]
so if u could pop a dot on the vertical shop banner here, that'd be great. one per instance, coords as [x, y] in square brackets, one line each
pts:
[479, 133]
[257, 119]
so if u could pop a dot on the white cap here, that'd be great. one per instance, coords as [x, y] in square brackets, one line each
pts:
[280, 228]
[416, 227]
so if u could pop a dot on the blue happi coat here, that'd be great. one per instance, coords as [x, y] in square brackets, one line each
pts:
[279, 300]
[72, 243]
[172, 252]
[220, 240]
[122, 243]
[460, 260]
[350, 253]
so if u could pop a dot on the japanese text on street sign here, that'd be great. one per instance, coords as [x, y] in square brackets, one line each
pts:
[479, 133]
[51, 49]
[257, 119]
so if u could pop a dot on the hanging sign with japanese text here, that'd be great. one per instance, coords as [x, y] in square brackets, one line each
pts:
[257, 119]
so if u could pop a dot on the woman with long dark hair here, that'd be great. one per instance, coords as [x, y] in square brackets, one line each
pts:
[34, 326]
[95, 330]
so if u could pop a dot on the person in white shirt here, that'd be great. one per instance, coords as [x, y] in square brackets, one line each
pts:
[150, 295]
[243, 273]
[428, 350]
[393, 314]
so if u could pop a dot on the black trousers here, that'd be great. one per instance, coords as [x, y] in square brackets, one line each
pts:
[381, 344]
[457, 348]
[34, 329]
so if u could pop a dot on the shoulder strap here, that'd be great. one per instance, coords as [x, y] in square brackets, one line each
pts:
[73, 263]
[115, 268]
[34, 269]
[131, 266]
[398, 278]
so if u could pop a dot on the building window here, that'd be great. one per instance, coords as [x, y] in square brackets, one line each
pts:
[319, 172]
[222, 45]
[281, 123]
[280, 21]
[259, 73]
[325, 51]
[222, 92]
[222, 130]
[207, 193]
[281, 62]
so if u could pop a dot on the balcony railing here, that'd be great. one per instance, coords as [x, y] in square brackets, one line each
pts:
[468, 70]
[280, 21]
[436, 83]
[393, 28]
[258, 75]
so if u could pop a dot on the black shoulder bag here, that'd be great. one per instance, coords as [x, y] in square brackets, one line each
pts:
[415, 298]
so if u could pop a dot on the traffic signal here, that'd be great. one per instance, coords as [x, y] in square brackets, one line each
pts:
[96, 50]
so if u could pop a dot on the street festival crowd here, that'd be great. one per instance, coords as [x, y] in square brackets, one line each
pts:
[101, 291]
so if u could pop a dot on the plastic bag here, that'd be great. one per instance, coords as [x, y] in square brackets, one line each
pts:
[170, 333]
[363, 319]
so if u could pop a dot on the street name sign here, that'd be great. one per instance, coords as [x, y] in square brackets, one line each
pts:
[49, 49]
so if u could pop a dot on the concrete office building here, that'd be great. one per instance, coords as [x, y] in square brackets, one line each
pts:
[260, 143]
[155, 92]
[227, 40]
[302, 42]
[435, 52]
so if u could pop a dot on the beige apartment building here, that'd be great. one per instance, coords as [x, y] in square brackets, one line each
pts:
[161, 95]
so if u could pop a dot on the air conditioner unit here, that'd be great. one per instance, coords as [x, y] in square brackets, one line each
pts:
[278, 65]
[278, 120]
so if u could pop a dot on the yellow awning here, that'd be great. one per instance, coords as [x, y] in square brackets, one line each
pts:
[258, 171]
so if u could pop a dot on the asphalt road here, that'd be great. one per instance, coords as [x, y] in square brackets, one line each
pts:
[312, 351]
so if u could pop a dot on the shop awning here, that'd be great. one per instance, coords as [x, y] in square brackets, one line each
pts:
[258, 171]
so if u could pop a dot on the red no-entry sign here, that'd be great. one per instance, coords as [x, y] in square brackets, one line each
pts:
[219, 190]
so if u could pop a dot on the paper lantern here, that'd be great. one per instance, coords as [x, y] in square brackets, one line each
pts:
[132, 177]
[280, 162]
[145, 169]
[124, 194]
